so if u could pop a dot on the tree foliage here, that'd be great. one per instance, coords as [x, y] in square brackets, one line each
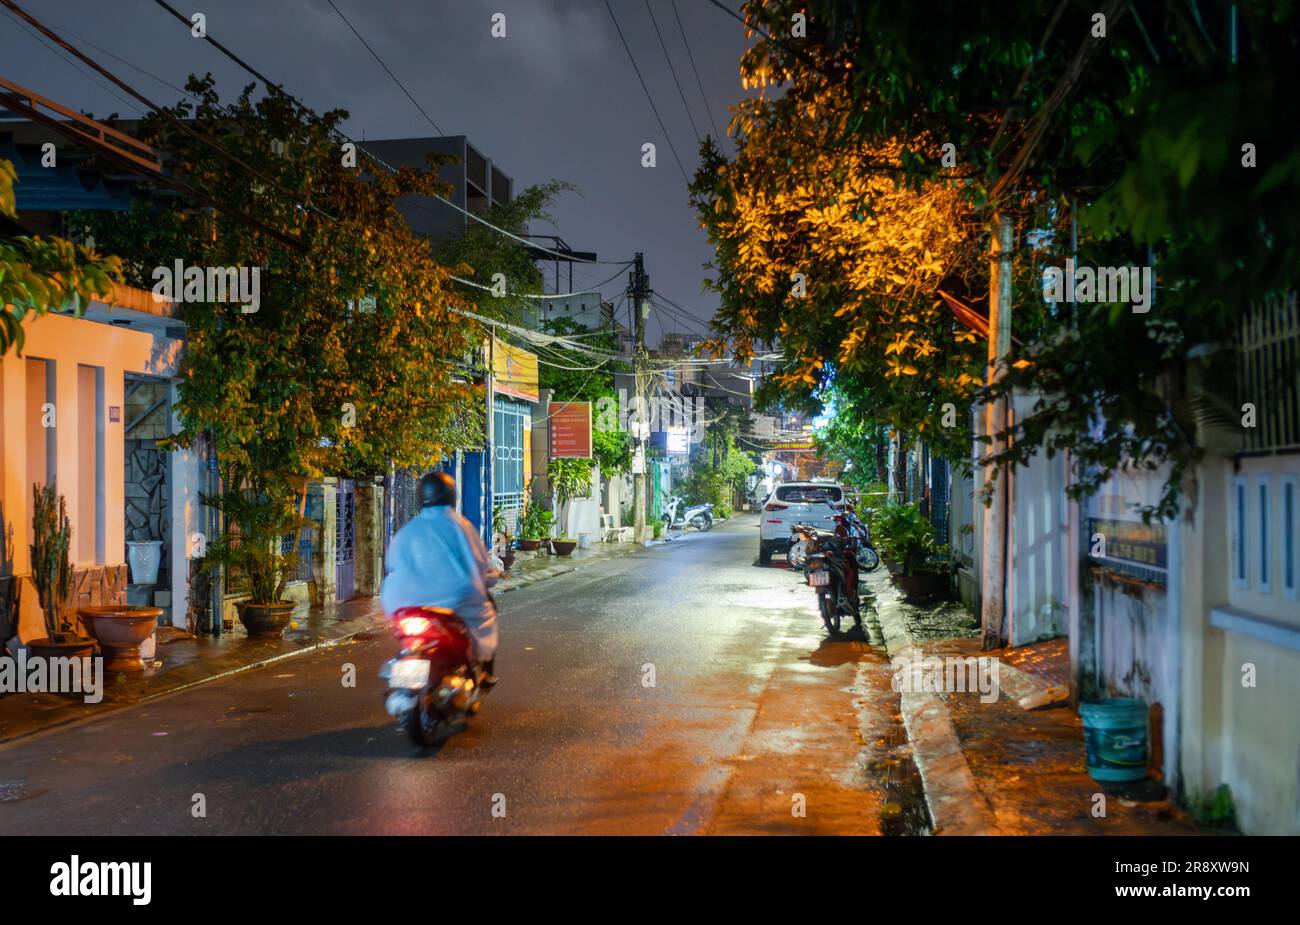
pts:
[356, 355]
[1136, 128]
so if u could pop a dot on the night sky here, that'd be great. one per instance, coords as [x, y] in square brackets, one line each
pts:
[556, 98]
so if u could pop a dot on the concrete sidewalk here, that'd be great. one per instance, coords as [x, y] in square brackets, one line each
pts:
[995, 768]
[183, 661]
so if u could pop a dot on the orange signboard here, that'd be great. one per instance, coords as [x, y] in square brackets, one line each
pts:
[570, 429]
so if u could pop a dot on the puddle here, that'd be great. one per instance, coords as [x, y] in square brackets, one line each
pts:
[904, 811]
[13, 791]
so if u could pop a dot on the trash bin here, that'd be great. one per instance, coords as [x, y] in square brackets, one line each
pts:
[1115, 735]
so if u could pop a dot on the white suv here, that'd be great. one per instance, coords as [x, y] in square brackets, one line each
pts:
[811, 503]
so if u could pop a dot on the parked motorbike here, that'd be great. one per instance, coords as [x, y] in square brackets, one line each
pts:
[868, 558]
[679, 515]
[832, 571]
[433, 684]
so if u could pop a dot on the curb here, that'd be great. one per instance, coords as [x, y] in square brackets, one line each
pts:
[955, 803]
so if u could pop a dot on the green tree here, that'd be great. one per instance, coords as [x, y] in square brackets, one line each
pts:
[356, 355]
[1138, 119]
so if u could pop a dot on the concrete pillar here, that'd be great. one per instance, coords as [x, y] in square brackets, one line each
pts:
[324, 552]
[369, 525]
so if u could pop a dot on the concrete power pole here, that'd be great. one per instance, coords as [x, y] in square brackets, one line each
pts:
[638, 291]
[996, 417]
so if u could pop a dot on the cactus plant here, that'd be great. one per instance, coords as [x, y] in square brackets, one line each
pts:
[51, 565]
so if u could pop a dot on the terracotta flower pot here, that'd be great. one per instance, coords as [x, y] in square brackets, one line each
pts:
[564, 547]
[529, 545]
[73, 647]
[266, 621]
[121, 630]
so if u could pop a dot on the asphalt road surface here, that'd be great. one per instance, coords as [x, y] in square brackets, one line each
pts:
[681, 689]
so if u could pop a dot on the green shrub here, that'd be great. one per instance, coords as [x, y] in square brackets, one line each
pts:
[905, 534]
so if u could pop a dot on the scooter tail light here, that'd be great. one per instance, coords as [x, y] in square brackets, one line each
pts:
[414, 626]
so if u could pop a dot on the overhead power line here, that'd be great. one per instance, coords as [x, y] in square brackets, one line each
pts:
[648, 95]
[387, 70]
[314, 116]
[691, 56]
[672, 70]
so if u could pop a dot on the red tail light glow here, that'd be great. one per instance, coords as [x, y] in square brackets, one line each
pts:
[776, 506]
[414, 626]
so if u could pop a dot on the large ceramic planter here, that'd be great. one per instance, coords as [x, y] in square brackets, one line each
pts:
[564, 547]
[923, 586]
[529, 545]
[266, 621]
[121, 630]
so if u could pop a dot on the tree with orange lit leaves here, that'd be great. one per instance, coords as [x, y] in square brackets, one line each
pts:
[1125, 133]
[825, 249]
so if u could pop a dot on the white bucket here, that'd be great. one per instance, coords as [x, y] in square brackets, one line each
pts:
[144, 559]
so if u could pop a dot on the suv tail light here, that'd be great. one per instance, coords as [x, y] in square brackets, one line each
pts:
[776, 506]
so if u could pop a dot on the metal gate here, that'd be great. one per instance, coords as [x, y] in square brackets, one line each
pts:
[345, 540]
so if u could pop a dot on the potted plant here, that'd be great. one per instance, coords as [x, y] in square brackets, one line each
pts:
[570, 478]
[535, 526]
[501, 526]
[257, 516]
[52, 576]
[909, 537]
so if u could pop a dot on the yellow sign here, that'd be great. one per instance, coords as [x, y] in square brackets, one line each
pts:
[514, 371]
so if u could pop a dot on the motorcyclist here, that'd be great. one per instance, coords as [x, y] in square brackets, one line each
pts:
[438, 560]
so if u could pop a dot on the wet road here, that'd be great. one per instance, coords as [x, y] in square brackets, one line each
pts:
[754, 723]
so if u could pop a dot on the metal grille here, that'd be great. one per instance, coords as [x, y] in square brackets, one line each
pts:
[1268, 375]
[405, 490]
[511, 421]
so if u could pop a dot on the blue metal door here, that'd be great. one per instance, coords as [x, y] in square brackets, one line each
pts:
[345, 541]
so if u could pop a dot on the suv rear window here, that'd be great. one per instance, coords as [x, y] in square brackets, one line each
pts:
[808, 494]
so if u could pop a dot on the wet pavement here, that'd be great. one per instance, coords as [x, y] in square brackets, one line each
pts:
[677, 689]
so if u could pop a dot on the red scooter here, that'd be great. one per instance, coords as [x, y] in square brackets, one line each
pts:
[832, 569]
[433, 684]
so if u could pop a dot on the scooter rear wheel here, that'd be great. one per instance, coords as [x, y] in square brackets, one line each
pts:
[700, 523]
[423, 727]
[830, 613]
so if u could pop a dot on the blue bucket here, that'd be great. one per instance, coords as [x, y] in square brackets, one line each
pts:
[1115, 734]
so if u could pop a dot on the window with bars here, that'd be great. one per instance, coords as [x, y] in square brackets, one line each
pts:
[1268, 374]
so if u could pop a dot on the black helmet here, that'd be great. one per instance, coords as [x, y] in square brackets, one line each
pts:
[437, 489]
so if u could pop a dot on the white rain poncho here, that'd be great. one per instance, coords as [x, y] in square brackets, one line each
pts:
[437, 560]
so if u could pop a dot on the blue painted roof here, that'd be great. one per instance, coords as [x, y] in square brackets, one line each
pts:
[59, 189]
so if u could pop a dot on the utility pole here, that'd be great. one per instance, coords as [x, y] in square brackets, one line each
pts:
[638, 290]
[996, 417]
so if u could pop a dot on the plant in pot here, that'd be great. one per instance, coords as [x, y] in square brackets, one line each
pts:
[909, 537]
[257, 516]
[52, 576]
[501, 526]
[570, 478]
[534, 526]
